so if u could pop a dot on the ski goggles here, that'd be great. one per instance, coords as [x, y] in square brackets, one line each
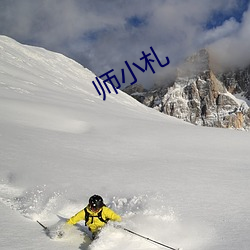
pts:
[94, 208]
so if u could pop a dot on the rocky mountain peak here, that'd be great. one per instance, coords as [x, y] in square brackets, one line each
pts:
[197, 64]
[202, 97]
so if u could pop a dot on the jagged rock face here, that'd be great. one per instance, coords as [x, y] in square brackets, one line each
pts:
[237, 81]
[205, 102]
[199, 97]
[137, 91]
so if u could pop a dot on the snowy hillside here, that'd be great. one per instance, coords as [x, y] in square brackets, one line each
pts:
[179, 184]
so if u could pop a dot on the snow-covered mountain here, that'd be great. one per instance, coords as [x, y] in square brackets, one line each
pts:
[201, 96]
[182, 185]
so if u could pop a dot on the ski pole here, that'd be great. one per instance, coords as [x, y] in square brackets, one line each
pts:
[146, 238]
[45, 228]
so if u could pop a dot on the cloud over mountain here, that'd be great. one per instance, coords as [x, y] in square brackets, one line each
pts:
[103, 34]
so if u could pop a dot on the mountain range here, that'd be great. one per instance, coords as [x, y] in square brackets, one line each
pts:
[202, 94]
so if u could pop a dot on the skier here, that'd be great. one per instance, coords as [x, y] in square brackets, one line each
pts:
[95, 214]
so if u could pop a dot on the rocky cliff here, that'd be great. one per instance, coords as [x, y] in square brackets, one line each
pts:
[200, 96]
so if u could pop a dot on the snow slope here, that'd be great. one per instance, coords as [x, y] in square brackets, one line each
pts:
[176, 183]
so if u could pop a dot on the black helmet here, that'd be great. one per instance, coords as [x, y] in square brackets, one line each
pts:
[95, 202]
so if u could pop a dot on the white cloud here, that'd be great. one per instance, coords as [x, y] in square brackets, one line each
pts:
[228, 28]
[97, 32]
[233, 50]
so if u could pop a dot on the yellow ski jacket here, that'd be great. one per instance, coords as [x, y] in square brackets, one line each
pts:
[94, 223]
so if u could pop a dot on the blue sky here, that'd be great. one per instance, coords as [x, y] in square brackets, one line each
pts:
[102, 35]
[218, 17]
